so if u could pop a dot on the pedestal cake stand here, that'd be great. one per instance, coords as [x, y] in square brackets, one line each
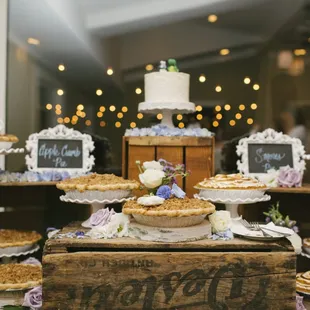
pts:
[95, 204]
[232, 204]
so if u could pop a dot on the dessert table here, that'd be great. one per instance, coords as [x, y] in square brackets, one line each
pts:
[132, 274]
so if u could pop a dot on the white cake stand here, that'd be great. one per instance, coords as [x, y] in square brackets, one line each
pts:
[95, 204]
[232, 204]
[11, 151]
[167, 109]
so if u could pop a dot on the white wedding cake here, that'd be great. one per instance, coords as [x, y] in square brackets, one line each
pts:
[166, 91]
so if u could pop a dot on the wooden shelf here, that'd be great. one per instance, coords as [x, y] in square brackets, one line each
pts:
[305, 189]
[28, 184]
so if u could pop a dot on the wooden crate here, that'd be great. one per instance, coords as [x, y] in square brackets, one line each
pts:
[197, 154]
[131, 274]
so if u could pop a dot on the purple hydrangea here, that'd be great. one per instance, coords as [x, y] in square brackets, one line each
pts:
[164, 191]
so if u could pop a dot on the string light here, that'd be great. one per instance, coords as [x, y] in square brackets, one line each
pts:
[232, 122]
[159, 116]
[80, 107]
[202, 78]
[83, 114]
[88, 122]
[256, 87]
[78, 113]
[199, 117]
[227, 107]
[250, 121]
[99, 92]
[110, 71]
[118, 124]
[58, 107]
[138, 91]
[181, 125]
[49, 106]
[102, 109]
[124, 109]
[148, 67]
[102, 124]
[238, 116]
[212, 18]
[60, 92]
[58, 112]
[179, 117]
[133, 125]
[253, 106]
[120, 115]
[219, 116]
[60, 120]
[61, 67]
[247, 80]
[99, 114]
[218, 88]
[215, 124]
[112, 108]
[199, 108]
[241, 107]
[300, 52]
[139, 115]
[75, 118]
[224, 51]
[67, 119]
[218, 108]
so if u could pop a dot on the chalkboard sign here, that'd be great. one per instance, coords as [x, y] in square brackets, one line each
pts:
[60, 154]
[262, 157]
[267, 150]
[60, 149]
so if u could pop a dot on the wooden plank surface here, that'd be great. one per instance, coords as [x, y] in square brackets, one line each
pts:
[305, 189]
[62, 245]
[170, 141]
[148, 280]
[199, 161]
[28, 184]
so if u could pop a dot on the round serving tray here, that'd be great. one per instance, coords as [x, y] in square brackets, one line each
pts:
[11, 151]
[19, 251]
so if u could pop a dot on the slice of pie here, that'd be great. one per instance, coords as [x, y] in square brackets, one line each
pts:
[97, 182]
[8, 138]
[303, 283]
[230, 182]
[19, 276]
[16, 238]
[173, 207]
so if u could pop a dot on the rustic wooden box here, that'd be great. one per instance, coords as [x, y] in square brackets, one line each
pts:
[131, 274]
[197, 154]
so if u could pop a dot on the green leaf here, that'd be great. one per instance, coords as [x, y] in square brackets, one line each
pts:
[15, 308]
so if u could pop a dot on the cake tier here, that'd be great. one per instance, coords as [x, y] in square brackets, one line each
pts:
[166, 87]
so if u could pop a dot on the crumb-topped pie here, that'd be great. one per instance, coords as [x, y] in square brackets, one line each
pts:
[17, 238]
[231, 186]
[98, 186]
[19, 276]
[172, 212]
[6, 141]
[303, 283]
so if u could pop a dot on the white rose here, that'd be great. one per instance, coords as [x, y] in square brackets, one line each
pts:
[151, 178]
[270, 178]
[220, 221]
[152, 165]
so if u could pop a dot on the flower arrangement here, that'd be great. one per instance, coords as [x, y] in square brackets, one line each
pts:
[284, 177]
[274, 215]
[160, 178]
[221, 223]
[33, 298]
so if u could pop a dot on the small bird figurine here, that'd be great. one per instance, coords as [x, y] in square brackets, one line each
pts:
[162, 65]
[172, 65]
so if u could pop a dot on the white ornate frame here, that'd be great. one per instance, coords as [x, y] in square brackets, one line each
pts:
[273, 137]
[60, 132]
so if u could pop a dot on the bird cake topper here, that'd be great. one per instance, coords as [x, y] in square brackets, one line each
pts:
[172, 65]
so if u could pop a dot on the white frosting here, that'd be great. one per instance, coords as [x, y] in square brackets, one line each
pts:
[166, 87]
[150, 200]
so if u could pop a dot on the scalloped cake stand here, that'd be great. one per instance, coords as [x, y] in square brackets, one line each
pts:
[95, 204]
[11, 151]
[232, 204]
